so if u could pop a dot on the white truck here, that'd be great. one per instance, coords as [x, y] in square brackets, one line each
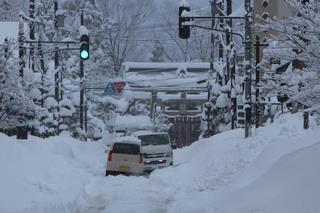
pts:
[156, 148]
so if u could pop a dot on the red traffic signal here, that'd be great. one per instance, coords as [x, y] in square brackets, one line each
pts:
[184, 31]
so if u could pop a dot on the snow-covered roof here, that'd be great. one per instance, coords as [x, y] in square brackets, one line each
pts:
[183, 3]
[164, 65]
[127, 139]
[83, 30]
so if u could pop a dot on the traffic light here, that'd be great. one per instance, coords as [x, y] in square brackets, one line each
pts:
[84, 47]
[184, 31]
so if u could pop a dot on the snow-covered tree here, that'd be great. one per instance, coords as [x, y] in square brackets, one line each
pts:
[297, 40]
[16, 108]
[9, 10]
[124, 17]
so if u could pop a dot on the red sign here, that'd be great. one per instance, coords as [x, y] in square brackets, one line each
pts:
[119, 85]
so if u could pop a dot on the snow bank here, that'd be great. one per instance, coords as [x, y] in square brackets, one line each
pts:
[273, 171]
[46, 176]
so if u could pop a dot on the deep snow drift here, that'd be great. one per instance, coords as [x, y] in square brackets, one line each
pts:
[276, 170]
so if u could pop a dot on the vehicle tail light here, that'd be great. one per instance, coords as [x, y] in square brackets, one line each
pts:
[141, 158]
[110, 156]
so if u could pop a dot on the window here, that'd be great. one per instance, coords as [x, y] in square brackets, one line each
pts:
[158, 139]
[241, 114]
[125, 148]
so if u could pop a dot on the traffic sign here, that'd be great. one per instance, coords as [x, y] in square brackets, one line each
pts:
[119, 86]
[110, 89]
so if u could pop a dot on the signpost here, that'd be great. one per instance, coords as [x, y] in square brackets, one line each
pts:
[110, 89]
[114, 88]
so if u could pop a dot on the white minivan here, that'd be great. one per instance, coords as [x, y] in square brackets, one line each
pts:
[156, 148]
[125, 157]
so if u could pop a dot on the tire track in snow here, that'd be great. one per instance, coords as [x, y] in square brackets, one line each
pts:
[122, 194]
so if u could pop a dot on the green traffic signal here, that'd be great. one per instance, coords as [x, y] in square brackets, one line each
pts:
[84, 54]
[84, 47]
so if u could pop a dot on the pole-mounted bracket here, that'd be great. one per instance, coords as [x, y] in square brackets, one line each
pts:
[192, 18]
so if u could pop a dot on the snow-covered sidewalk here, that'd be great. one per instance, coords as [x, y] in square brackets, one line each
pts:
[273, 171]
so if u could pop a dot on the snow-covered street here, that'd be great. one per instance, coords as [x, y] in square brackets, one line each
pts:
[274, 171]
[201, 106]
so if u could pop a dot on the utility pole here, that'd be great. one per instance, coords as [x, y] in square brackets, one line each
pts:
[21, 47]
[218, 5]
[229, 22]
[257, 81]
[233, 92]
[248, 43]
[86, 117]
[6, 48]
[56, 55]
[213, 12]
[221, 27]
[228, 39]
[40, 51]
[231, 65]
[56, 75]
[213, 23]
[81, 80]
[32, 33]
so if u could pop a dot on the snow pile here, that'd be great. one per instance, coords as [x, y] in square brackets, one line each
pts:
[273, 171]
[46, 176]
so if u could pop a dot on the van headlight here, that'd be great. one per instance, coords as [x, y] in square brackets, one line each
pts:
[169, 154]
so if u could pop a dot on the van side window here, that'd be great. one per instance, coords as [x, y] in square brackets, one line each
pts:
[125, 148]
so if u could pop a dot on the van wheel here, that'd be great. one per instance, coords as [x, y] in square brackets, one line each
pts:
[107, 173]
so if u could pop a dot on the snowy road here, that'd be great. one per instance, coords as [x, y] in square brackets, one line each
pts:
[128, 194]
[223, 174]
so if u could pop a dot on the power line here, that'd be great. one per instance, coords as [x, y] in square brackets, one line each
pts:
[167, 39]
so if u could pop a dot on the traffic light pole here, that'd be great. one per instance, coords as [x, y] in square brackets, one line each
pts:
[81, 82]
[247, 40]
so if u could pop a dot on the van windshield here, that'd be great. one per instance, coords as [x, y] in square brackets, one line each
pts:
[125, 148]
[158, 139]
